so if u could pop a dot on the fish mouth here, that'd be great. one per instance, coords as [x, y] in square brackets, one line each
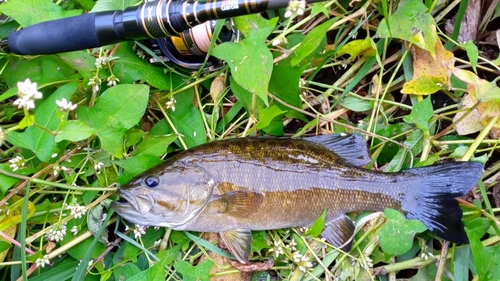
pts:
[140, 203]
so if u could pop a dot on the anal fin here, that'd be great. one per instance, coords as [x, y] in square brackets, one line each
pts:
[239, 243]
[339, 232]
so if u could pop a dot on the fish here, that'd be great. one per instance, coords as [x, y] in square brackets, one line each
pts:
[234, 186]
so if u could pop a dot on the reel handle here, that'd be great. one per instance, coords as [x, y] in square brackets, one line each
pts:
[163, 18]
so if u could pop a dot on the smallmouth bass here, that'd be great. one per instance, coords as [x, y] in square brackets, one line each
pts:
[237, 185]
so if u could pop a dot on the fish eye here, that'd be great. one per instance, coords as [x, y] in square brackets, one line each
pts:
[151, 181]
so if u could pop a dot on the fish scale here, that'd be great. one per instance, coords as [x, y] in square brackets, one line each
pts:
[238, 185]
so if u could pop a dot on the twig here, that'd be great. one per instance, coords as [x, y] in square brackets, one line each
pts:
[442, 260]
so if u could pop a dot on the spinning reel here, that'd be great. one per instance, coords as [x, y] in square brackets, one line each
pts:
[189, 49]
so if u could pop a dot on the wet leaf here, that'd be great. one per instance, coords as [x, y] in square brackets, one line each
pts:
[421, 113]
[250, 61]
[396, 237]
[411, 22]
[430, 71]
[194, 273]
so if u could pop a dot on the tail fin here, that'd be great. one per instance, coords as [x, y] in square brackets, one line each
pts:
[434, 202]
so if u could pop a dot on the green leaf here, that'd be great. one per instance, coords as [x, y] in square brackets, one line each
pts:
[250, 61]
[4, 246]
[472, 53]
[318, 8]
[396, 237]
[194, 273]
[284, 84]
[411, 22]
[111, 5]
[267, 115]
[30, 12]
[41, 142]
[187, 120]
[312, 41]
[154, 145]
[125, 271]
[318, 225]
[486, 259]
[42, 70]
[135, 165]
[421, 113]
[414, 143]
[81, 61]
[75, 130]
[245, 24]
[243, 96]
[157, 271]
[130, 68]
[356, 104]
[116, 110]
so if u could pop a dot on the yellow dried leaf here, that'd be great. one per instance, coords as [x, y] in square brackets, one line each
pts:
[430, 73]
[356, 47]
[470, 124]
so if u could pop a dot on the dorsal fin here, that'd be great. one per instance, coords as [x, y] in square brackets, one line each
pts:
[352, 148]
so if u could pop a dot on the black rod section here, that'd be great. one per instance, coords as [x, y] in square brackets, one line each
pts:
[163, 18]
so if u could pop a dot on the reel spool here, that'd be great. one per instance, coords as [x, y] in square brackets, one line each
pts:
[189, 49]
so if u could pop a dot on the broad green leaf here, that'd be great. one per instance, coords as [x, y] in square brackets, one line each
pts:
[157, 271]
[116, 110]
[75, 130]
[245, 24]
[130, 68]
[318, 225]
[187, 120]
[41, 142]
[30, 12]
[284, 84]
[199, 272]
[250, 61]
[429, 272]
[421, 113]
[125, 271]
[136, 165]
[356, 104]
[259, 241]
[461, 262]
[78, 251]
[81, 61]
[267, 115]
[243, 96]
[110, 5]
[154, 145]
[312, 41]
[4, 245]
[61, 271]
[318, 8]
[411, 22]
[396, 238]
[42, 70]
[414, 143]
[472, 53]
[486, 259]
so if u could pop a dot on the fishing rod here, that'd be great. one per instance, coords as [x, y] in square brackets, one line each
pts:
[157, 19]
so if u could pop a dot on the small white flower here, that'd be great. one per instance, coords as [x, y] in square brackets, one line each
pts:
[64, 105]
[95, 82]
[42, 261]
[139, 230]
[54, 155]
[100, 62]
[98, 167]
[77, 210]
[276, 41]
[27, 93]
[171, 104]
[302, 261]
[74, 230]
[277, 249]
[157, 243]
[16, 163]
[292, 245]
[112, 81]
[56, 233]
[56, 169]
[295, 8]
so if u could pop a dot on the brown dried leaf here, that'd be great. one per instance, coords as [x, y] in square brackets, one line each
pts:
[217, 88]
[470, 22]
[430, 74]
[470, 124]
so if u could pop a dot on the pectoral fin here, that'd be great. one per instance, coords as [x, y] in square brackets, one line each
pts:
[239, 203]
[239, 243]
[339, 232]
